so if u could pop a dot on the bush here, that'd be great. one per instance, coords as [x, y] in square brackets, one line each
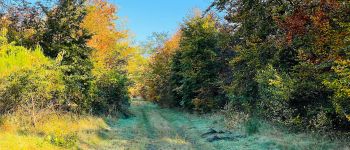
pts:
[31, 91]
[252, 126]
[30, 82]
[66, 141]
[111, 94]
[233, 117]
[275, 90]
[339, 82]
[15, 58]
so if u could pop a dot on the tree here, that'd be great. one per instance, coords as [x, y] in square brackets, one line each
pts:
[100, 21]
[197, 64]
[24, 22]
[159, 71]
[303, 41]
[112, 56]
[64, 36]
[154, 42]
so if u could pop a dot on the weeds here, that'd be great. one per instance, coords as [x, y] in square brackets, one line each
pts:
[252, 126]
[56, 131]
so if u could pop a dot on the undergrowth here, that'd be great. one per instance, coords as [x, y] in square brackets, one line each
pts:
[56, 131]
[268, 135]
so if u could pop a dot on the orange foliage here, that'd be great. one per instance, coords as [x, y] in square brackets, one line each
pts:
[169, 47]
[295, 24]
[100, 21]
[159, 65]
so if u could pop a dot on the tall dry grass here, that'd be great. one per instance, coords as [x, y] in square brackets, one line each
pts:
[53, 131]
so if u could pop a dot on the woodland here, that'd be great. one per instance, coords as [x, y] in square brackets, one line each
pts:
[68, 68]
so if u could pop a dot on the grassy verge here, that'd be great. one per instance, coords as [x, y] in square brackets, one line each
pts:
[56, 131]
[262, 134]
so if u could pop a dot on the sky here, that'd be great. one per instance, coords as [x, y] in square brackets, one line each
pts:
[143, 17]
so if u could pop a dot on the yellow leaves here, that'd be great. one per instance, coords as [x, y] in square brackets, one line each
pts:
[348, 117]
[3, 39]
[14, 58]
[276, 82]
[100, 21]
[173, 43]
[209, 22]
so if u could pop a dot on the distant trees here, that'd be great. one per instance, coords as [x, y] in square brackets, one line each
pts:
[157, 75]
[185, 70]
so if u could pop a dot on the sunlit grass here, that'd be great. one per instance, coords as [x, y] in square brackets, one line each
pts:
[176, 141]
[14, 141]
[53, 132]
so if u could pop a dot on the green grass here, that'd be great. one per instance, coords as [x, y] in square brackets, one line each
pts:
[155, 128]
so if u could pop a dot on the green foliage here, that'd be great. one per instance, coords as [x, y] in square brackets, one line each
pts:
[197, 65]
[339, 83]
[252, 126]
[111, 94]
[66, 141]
[275, 91]
[36, 87]
[66, 37]
[15, 58]
[306, 43]
[30, 82]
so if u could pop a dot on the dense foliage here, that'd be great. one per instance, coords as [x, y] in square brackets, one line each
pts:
[30, 82]
[289, 58]
[59, 58]
[185, 71]
[286, 61]
[198, 65]
[64, 36]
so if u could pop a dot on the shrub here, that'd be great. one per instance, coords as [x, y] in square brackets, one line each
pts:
[15, 58]
[31, 92]
[340, 84]
[111, 94]
[233, 117]
[30, 82]
[252, 126]
[274, 91]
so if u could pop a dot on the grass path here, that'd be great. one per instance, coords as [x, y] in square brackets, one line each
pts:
[154, 128]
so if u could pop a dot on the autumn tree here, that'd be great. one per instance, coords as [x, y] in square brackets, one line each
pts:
[158, 72]
[291, 44]
[110, 57]
[24, 22]
[100, 21]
